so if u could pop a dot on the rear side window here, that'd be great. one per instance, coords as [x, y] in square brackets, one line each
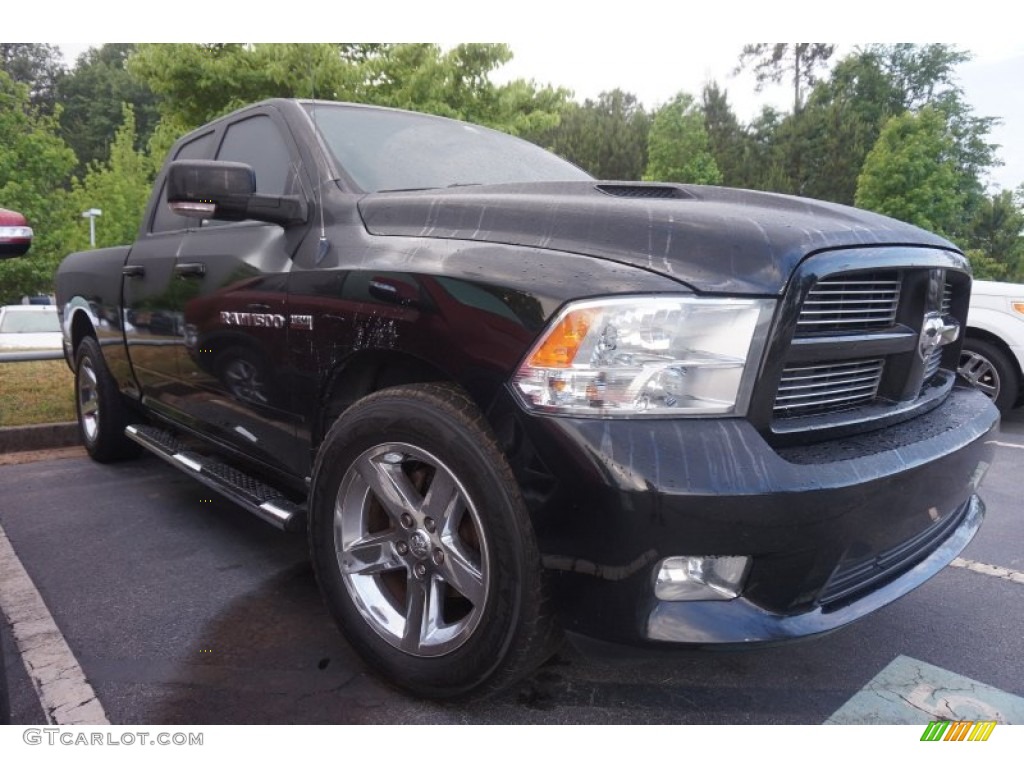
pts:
[165, 220]
[257, 142]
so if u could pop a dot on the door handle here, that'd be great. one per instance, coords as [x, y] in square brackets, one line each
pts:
[190, 269]
[133, 270]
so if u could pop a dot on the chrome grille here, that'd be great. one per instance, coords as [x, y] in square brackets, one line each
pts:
[851, 302]
[829, 387]
[931, 365]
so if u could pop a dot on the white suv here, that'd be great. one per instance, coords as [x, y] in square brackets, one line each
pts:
[993, 351]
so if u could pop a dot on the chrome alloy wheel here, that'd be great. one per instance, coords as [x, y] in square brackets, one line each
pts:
[411, 549]
[88, 400]
[980, 372]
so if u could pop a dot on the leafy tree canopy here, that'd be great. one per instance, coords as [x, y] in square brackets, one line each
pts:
[997, 248]
[726, 138]
[34, 166]
[772, 62]
[92, 95]
[37, 65]
[606, 137]
[196, 83]
[911, 174]
[678, 148]
[120, 187]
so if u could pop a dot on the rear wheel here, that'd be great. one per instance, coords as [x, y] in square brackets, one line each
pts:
[102, 412]
[423, 548]
[988, 368]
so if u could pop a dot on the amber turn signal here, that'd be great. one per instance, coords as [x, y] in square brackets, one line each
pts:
[559, 348]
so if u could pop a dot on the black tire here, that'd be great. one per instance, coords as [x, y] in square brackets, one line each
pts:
[415, 513]
[988, 368]
[102, 412]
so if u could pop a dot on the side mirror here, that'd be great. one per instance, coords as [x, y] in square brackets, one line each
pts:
[15, 234]
[215, 189]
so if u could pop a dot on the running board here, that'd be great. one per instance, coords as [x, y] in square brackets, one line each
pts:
[255, 496]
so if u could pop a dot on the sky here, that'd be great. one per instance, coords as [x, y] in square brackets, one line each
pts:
[650, 48]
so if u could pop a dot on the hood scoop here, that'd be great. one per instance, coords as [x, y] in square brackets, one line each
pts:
[646, 191]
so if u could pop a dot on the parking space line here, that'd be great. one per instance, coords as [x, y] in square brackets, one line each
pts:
[1001, 444]
[63, 691]
[1017, 577]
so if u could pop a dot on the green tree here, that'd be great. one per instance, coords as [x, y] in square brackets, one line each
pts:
[996, 235]
[196, 83]
[37, 65]
[772, 62]
[911, 174]
[35, 165]
[819, 151]
[985, 267]
[916, 74]
[762, 166]
[606, 137]
[678, 148]
[726, 137]
[120, 187]
[92, 95]
[926, 75]
[837, 128]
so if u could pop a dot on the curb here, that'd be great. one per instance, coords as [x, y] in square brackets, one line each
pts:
[39, 437]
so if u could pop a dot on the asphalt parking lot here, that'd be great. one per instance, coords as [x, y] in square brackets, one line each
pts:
[180, 608]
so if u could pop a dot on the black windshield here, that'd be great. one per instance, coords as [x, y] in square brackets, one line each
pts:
[383, 149]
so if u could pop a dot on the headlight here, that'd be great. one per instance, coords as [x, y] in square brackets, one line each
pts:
[654, 355]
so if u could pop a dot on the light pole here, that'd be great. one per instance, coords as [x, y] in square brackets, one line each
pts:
[91, 215]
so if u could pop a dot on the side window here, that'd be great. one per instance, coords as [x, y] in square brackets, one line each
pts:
[257, 142]
[165, 220]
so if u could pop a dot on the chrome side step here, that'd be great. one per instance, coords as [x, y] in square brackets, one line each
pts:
[257, 497]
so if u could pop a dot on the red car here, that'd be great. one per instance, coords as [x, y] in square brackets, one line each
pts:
[15, 234]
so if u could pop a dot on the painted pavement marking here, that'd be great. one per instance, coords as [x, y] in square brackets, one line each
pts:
[1017, 577]
[1005, 445]
[912, 692]
[63, 691]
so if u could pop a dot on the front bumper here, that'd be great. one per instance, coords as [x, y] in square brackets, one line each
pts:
[835, 529]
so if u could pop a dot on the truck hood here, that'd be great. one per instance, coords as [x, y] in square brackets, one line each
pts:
[714, 239]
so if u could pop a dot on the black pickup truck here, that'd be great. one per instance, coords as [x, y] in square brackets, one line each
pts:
[506, 399]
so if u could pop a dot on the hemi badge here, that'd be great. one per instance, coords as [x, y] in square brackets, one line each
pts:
[302, 322]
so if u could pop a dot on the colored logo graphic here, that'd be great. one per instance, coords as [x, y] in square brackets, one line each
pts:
[962, 730]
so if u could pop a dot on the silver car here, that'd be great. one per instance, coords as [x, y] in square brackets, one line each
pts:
[29, 326]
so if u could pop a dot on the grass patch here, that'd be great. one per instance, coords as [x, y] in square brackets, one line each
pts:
[40, 392]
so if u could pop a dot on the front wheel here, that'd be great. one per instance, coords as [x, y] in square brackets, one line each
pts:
[102, 413]
[422, 546]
